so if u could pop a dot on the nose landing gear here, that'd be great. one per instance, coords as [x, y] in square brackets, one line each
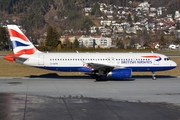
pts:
[153, 75]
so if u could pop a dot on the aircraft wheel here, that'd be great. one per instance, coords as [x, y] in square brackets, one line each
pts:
[153, 75]
[154, 78]
[98, 78]
[94, 76]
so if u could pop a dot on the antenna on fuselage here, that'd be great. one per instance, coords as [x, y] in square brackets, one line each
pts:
[77, 51]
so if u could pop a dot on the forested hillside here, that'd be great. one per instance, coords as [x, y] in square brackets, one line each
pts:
[26, 11]
[36, 15]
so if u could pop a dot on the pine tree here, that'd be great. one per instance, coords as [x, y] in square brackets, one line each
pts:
[162, 41]
[3, 38]
[129, 19]
[178, 26]
[76, 43]
[52, 38]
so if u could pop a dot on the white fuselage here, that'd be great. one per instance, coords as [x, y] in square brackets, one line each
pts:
[73, 61]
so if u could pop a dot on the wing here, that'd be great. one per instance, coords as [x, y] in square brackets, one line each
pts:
[103, 67]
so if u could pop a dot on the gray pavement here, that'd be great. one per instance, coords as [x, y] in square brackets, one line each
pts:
[79, 97]
[165, 89]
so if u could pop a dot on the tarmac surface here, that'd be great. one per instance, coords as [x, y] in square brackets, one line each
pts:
[51, 97]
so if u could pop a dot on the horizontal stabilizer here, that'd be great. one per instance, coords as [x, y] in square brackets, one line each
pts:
[15, 57]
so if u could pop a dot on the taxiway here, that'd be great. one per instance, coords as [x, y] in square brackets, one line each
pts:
[79, 97]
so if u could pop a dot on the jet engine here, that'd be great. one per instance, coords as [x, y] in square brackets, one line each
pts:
[120, 73]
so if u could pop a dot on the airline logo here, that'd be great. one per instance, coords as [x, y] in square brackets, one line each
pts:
[21, 44]
[157, 58]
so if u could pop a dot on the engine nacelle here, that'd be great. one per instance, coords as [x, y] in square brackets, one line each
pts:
[120, 73]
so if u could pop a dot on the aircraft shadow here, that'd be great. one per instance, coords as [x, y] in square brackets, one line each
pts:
[56, 76]
[149, 76]
[134, 77]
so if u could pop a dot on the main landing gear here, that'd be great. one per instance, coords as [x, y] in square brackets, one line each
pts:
[153, 75]
[98, 76]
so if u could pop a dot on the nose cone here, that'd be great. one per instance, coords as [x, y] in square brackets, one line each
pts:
[173, 64]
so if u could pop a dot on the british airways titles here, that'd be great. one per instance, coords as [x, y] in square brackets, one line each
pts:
[136, 62]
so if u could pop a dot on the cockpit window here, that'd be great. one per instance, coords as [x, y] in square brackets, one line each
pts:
[166, 59]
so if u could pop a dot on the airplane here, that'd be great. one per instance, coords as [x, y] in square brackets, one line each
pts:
[110, 65]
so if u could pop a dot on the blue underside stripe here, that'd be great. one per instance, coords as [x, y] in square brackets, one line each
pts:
[76, 69]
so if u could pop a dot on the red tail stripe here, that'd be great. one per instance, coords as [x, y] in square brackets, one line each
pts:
[11, 57]
[14, 33]
[26, 51]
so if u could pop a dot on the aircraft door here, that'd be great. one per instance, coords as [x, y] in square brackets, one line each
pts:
[41, 59]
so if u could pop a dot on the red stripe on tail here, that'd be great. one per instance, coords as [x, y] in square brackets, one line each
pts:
[14, 33]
